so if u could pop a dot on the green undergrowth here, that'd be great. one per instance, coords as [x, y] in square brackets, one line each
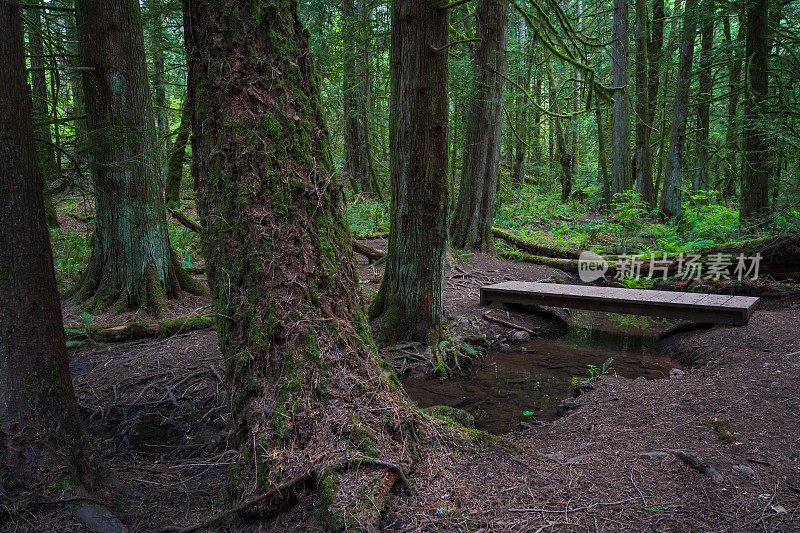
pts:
[367, 215]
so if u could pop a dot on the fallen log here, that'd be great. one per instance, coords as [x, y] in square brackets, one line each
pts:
[372, 254]
[141, 330]
[532, 247]
[371, 236]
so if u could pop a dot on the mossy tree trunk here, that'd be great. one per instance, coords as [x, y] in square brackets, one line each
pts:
[41, 114]
[654, 61]
[477, 195]
[409, 302]
[671, 196]
[301, 367]
[41, 435]
[620, 121]
[755, 166]
[132, 264]
[602, 158]
[176, 156]
[562, 152]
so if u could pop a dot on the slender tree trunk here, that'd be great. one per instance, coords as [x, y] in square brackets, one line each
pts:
[409, 302]
[643, 167]
[671, 197]
[732, 170]
[43, 441]
[565, 157]
[132, 264]
[536, 130]
[601, 155]
[176, 156]
[41, 114]
[654, 61]
[159, 77]
[755, 167]
[705, 94]
[356, 87]
[477, 196]
[524, 80]
[620, 128]
[302, 371]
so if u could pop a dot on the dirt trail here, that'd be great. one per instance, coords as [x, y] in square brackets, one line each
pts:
[586, 471]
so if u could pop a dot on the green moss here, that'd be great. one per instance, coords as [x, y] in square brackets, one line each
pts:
[329, 518]
[451, 414]
[723, 430]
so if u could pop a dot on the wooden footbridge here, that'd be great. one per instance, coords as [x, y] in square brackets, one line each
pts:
[699, 307]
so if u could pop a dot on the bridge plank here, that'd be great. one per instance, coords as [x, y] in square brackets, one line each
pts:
[718, 308]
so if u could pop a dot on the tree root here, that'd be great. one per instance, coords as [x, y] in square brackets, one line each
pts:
[393, 473]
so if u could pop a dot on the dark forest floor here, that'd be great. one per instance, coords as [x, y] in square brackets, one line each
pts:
[157, 410]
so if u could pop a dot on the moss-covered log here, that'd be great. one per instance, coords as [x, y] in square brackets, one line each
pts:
[142, 329]
[132, 264]
[532, 247]
[302, 371]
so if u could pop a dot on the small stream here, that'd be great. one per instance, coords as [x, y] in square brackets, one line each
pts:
[528, 381]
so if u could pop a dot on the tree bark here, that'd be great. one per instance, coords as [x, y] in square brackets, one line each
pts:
[755, 167]
[671, 197]
[42, 438]
[565, 157]
[620, 127]
[644, 124]
[299, 360]
[409, 302]
[700, 179]
[132, 263]
[477, 196]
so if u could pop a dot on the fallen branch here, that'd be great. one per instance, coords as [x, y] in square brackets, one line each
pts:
[532, 247]
[185, 220]
[489, 318]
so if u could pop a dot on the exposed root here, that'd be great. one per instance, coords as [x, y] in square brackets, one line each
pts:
[390, 476]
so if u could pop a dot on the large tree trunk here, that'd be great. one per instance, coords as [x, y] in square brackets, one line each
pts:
[41, 114]
[644, 173]
[705, 94]
[132, 263]
[303, 374]
[620, 127]
[732, 170]
[671, 197]
[43, 444]
[477, 196]
[409, 302]
[755, 167]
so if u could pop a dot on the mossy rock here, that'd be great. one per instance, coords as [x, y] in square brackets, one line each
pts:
[451, 414]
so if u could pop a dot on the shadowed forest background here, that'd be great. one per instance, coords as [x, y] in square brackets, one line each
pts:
[242, 245]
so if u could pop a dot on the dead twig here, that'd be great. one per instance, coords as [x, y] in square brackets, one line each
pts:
[489, 318]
